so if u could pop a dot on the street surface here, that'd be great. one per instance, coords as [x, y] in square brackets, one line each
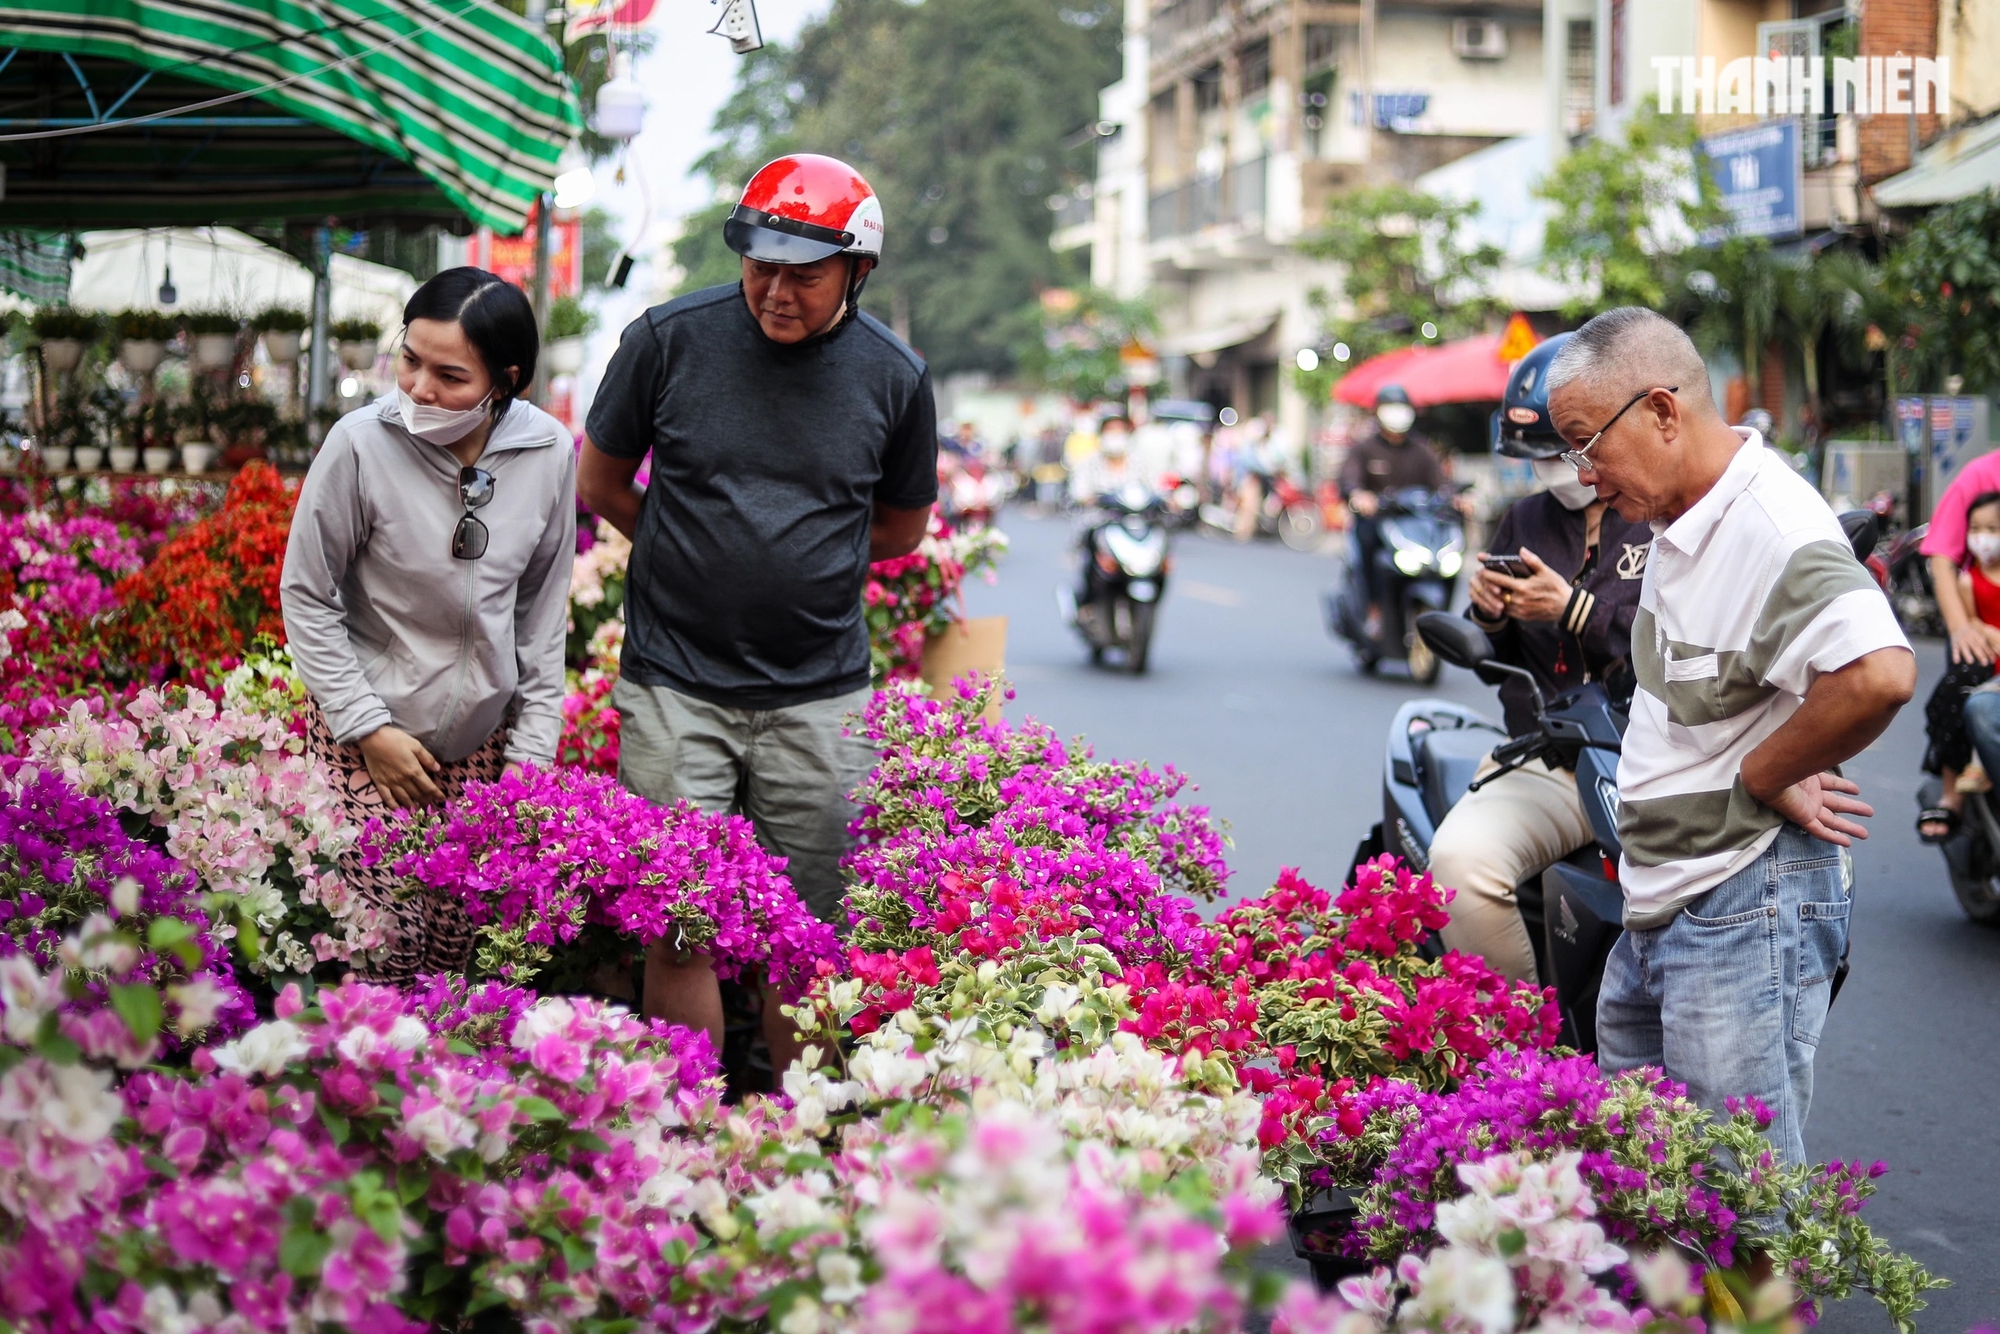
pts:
[1250, 697]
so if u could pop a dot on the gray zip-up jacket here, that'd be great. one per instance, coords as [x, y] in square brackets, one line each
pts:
[386, 626]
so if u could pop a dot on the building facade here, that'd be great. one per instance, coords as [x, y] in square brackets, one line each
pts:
[1233, 123]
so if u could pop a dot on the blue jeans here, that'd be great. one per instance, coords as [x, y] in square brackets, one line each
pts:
[1729, 997]
[1982, 724]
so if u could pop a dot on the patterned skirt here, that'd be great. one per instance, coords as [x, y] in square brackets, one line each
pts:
[429, 931]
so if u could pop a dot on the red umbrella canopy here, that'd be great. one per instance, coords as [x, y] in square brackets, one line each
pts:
[1467, 371]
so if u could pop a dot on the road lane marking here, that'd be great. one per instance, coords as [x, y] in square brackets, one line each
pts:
[1211, 593]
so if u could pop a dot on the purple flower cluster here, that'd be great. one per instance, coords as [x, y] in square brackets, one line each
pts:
[946, 766]
[988, 835]
[65, 858]
[1637, 1134]
[66, 566]
[543, 854]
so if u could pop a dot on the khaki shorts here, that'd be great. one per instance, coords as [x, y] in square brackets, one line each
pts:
[789, 770]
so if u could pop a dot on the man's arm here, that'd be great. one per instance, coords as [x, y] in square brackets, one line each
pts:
[1843, 711]
[895, 532]
[604, 484]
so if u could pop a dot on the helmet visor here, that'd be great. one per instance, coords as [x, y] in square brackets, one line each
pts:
[773, 240]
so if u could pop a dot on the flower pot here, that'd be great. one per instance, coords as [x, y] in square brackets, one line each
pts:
[55, 457]
[62, 355]
[124, 458]
[159, 458]
[141, 356]
[357, 354]
[565, 355]
[89, 458]
[195, 457]
[281, 344]
[214, 352]
[1319, 1234]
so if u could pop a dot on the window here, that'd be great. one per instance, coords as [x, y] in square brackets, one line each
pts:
[1208, 89]
[1579, 79]
[1320, 39]
[1254, 67]
[1163, 138]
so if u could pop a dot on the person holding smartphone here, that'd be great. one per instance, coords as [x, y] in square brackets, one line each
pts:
[1557, 594]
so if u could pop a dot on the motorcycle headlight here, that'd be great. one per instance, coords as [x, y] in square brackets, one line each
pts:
[1412, 560]
[1449, 563]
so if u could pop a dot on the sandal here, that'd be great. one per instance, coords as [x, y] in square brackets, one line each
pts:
[1932, 815]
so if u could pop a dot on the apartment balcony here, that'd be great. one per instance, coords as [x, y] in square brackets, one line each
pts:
[1233, 199]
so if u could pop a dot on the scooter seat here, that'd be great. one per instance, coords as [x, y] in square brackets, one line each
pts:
[1448, 759]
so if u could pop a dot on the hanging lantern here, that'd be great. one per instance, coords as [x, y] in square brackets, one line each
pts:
[621, 103]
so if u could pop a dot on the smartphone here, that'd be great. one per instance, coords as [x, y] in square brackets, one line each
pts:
[1511, 566]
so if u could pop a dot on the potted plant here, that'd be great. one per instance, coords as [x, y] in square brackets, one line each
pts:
[568, 323]
[142, 339]
[281, 327]
[65, 332]
[211, 339]
[356, 341]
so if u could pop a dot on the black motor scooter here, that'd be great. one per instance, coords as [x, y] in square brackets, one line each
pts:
[1574, 911]
[1418, 562]
[1125, 567]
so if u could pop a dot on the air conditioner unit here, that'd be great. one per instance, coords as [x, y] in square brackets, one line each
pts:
[1479, 39]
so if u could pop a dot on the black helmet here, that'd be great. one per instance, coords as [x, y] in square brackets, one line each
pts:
[1392, 393]
[1521, 427]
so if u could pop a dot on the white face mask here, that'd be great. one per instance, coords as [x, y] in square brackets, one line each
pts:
[1560, 478]
[1396, 418]
[439, 426]
[1985, 547]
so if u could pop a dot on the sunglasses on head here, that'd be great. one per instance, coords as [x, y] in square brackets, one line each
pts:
[1579, 458]
[475, 488]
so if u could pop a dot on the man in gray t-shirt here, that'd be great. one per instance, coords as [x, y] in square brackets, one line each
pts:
[793, 440]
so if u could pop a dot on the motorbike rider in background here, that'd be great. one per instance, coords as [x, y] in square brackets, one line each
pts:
[1389, 459]
[1568, 621]
[1108, 468]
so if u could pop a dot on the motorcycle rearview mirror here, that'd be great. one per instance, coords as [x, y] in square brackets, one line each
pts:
[1863, 531]
[1455, 639]
[1462, 644]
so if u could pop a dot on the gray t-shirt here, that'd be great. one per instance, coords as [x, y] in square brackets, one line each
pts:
[752, 550]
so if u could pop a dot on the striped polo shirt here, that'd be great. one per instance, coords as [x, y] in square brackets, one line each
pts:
[1746, 599]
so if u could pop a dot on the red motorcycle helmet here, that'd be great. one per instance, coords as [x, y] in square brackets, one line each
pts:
[802, 208]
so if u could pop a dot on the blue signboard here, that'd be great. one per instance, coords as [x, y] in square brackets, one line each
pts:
[1760, 175]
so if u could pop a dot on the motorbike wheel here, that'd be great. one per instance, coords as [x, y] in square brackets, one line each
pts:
[1140, 646]
[1299, 528]
[1978, 895]
[1424, 664]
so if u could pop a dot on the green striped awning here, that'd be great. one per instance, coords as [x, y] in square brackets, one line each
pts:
[35, 265]
[458, 98]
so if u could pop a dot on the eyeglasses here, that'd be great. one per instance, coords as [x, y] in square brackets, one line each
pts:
[475, 488]
[1579, 458]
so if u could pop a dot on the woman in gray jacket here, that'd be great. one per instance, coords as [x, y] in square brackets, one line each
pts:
[426, 584]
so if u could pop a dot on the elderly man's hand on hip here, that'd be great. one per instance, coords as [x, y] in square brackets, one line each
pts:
[1843, 712]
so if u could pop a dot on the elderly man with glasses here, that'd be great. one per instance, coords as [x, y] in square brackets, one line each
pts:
[1765, 656]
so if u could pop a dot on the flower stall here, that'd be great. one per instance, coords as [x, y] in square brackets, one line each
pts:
[1061, 1075]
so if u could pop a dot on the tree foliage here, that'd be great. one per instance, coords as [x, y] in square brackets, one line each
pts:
[1945, 277]
[1082, 334]
[1406, 264]
[1623, 211]
[959, 113]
